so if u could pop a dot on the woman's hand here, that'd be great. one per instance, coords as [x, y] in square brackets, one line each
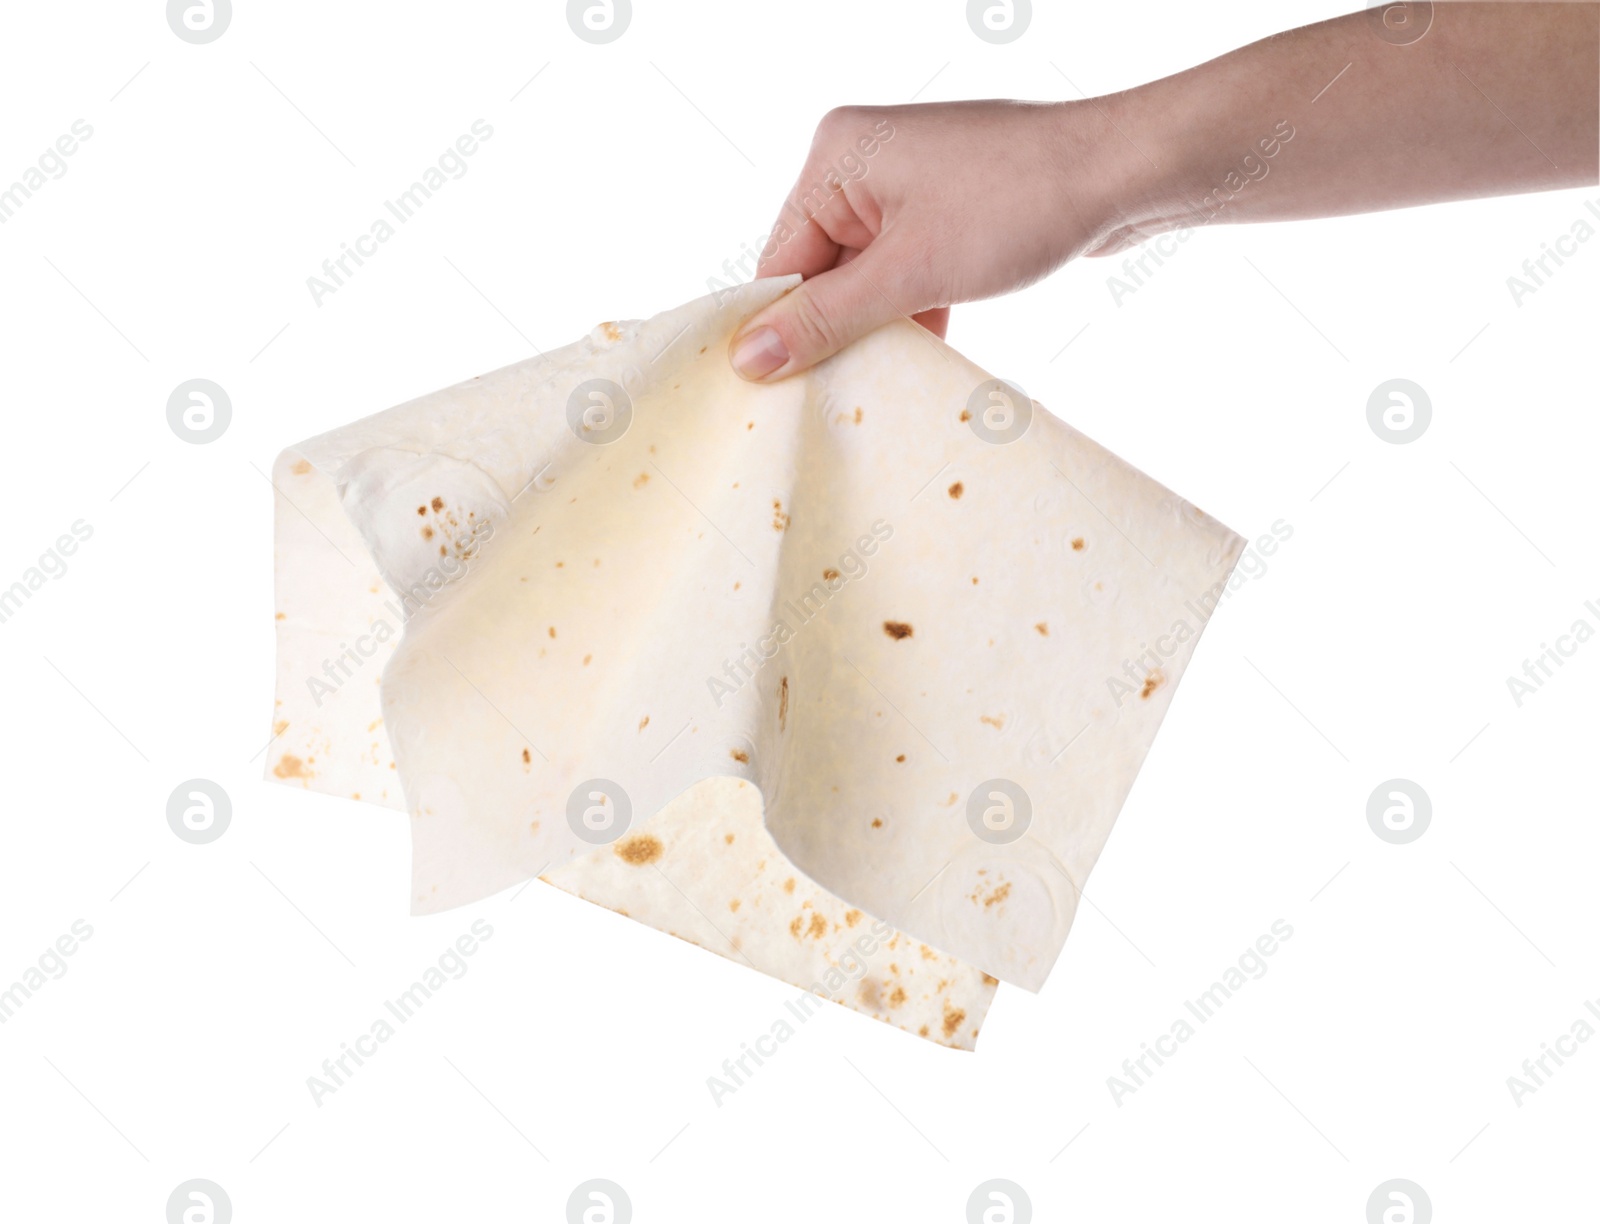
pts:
[901, 211]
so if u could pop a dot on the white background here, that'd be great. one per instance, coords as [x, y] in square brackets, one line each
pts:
[179, 1041]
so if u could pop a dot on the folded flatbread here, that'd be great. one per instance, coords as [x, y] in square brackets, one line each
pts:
[845, 677]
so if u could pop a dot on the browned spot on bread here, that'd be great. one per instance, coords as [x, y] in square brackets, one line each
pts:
[901, 759]
[953, 1016]
[997, 896]
[898, 630]
[788, 885]
[780, 520]
[279, 616]
[990, 981]
[644, 722]
[638, 850]
[852, 917]
[783, 702]
[897, 997]
[611, 332]
[703, 347]
[818, 928]
[527, 757]
[1077, 544]
[586, 659]
[1044, 629]
[965, 417]
[923, 1031]
[998, 722]
[728, 838]
[876, 823]
[427, 533]
[794, 927]
[301, 468]
[734, 905]
[867, 993]
[438, 504]
[422, 510]
[957, 489]
[642, 479]
[858, 416]
[740, 755]
[291, 766]
[830, 574]
[1152, 682]
[748, 425]
[278, 728]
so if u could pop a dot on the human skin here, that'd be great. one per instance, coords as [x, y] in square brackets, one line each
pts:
[967, 200]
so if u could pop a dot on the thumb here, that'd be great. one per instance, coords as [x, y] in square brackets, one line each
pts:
[819, 317]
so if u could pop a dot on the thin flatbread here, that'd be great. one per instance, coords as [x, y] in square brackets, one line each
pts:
[887, 628]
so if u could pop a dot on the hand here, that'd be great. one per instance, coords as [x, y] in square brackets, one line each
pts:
[900, 211]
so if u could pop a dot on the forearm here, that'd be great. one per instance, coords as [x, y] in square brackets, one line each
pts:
[1494, 98]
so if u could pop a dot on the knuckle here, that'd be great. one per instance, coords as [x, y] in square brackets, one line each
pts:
[839, 120]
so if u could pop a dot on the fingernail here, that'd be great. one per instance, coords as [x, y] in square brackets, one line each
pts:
[759, 353]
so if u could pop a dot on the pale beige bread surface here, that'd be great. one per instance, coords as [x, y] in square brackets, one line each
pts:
[831, 589]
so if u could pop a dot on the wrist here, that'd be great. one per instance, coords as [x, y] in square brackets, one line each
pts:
[1118, 185]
